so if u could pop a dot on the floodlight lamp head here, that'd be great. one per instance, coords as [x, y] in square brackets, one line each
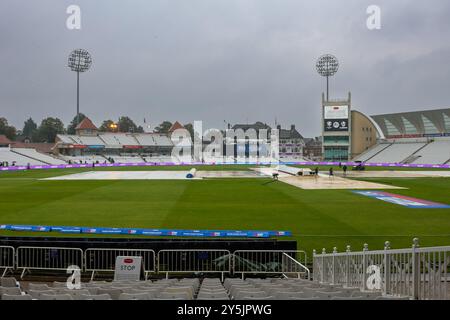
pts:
[327, 65]
[80, 60]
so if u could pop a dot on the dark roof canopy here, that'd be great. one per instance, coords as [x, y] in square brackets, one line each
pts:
[290, 134]
[414, 123]
[257, 126]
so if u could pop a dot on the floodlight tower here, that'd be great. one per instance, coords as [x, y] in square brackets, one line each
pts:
[327, 66]
[79, 61]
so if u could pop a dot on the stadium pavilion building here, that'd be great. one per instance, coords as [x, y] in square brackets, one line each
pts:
[291, 142]
[90, 145]
[420, 137]
[346, 133]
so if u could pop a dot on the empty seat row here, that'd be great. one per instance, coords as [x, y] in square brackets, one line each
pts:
[291, 290]
[8, 282]
[187, 289]
[212, 289]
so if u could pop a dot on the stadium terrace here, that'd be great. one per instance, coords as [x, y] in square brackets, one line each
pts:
[113, 189]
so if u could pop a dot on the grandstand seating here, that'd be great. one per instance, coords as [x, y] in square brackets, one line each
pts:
[153, 145]
[10, 290]
[126, 140]
[110, 140]
[16, 297]
[414, 151]
[6, 155]
[135, 296]
[159, 159]
[369, 154]
[95, 297]
[192, 288]
[85, 159]
[146, 139]
[163, 141]
[397, 152]
[126, 159]
[153, 140]
[116, 140]
[38, 286]
[392, 152]
[66, 139]
[8, 282]
[87, 140]
[117, 159]
[409, 151]
[33, 154]
[436, 152]
[65, 296]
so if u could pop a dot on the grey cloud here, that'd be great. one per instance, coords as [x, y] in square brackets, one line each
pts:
[233, 60]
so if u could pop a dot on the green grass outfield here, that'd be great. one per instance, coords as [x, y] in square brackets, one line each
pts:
[318, 218]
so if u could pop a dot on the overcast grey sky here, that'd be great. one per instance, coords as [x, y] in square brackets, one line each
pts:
[216, 60]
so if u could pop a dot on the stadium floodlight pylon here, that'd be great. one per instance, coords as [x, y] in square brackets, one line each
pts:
[327, 66]
[79, 61]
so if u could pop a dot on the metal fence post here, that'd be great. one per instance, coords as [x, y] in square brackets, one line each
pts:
[324, 252]
[333, 270]
[314, 265]
[364, 267]
[387, 268]
[347, 267]
[415, 269]
[7, 259]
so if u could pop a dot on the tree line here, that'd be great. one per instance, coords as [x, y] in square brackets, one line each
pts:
[50, 127]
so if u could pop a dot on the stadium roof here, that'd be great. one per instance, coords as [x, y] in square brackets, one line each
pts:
[291, 133]
[418, 123]
[176, 126]
[257, 126]
[41, 147]
[86, 124]
[4, 139]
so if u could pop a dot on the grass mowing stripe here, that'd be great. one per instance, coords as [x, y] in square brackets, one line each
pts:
[318, 218]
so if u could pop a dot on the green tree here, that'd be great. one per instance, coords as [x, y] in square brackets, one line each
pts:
[74, 123]
[107, 126]
[126, 125]
[189, 127]
[7, 130]
[49, 128]
[29, 128]
[163, 127]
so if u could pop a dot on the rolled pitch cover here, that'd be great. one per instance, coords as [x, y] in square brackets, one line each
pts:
[191, 173]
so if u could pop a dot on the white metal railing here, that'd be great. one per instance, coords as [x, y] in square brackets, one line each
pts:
[168, 261]
[7, 258]
[104, 259]
[48, 258]
[194, 261]
[418, 273]
[270, 262]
